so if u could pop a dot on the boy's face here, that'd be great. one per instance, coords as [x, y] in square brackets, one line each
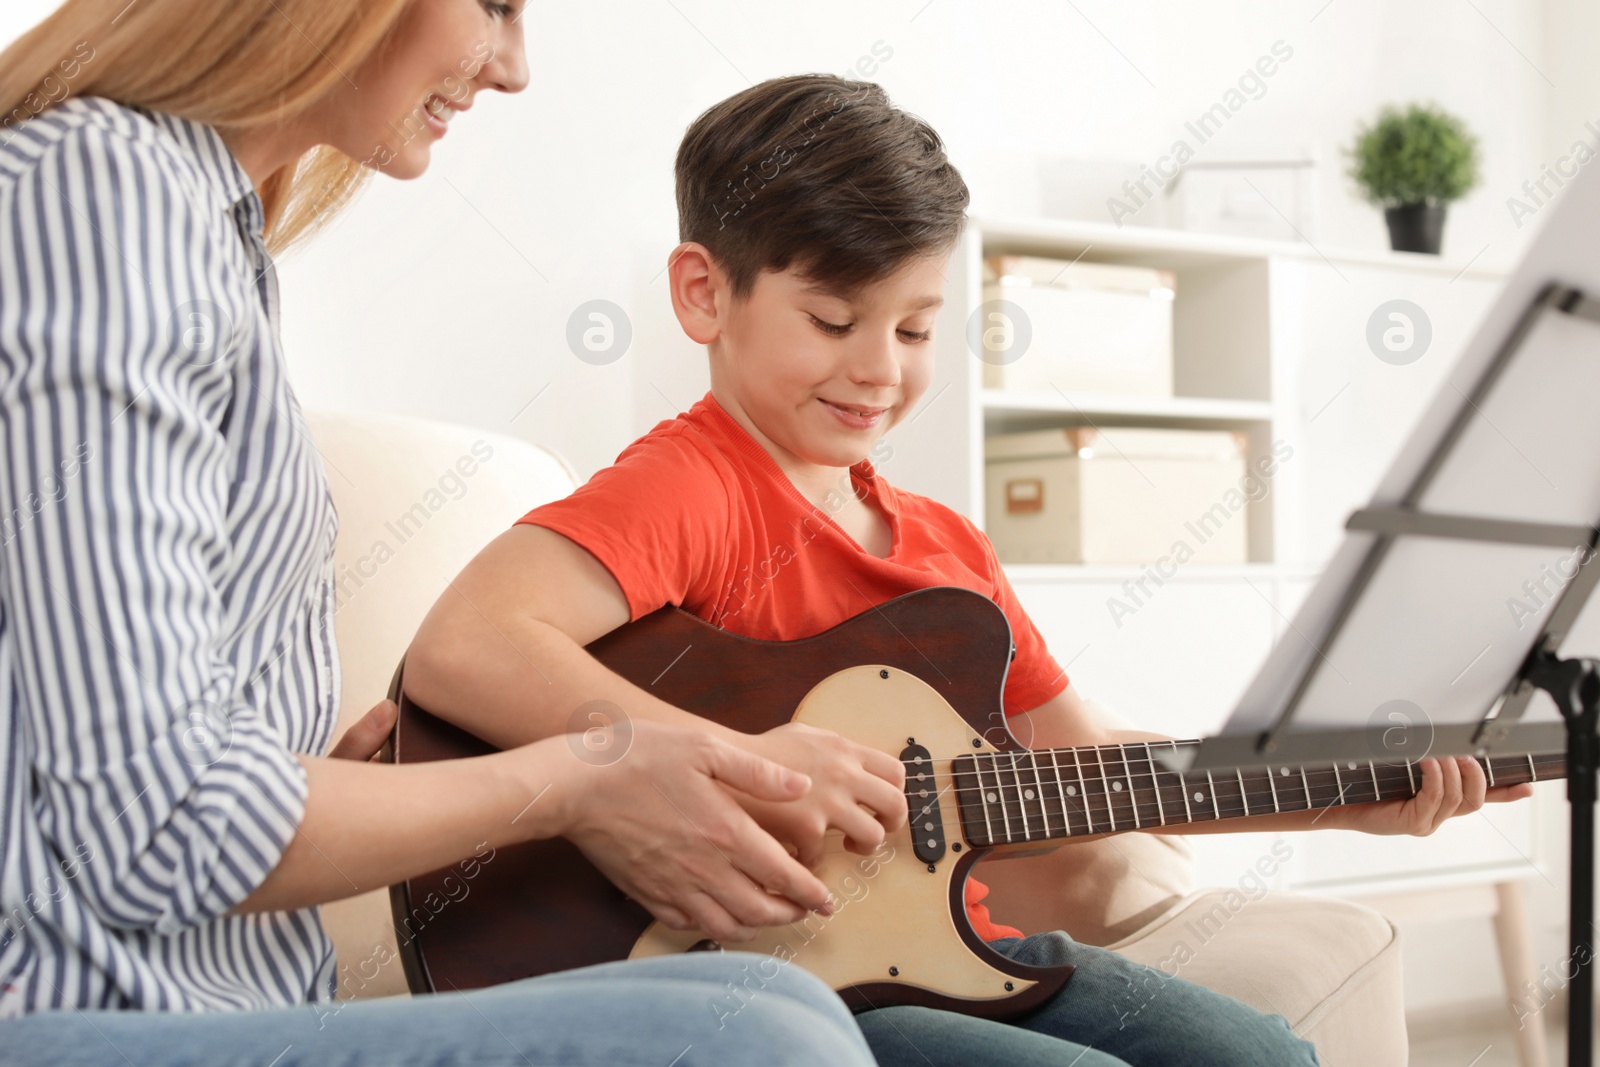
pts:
[822, 376]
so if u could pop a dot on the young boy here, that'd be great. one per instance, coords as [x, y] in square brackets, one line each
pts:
[817, 221]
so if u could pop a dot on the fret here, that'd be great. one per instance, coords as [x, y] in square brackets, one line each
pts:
[1061, 795]
[1244, 799]
[1411, 778]
[1044, 812]
[1306, 782]
[1105, 789]
[1133, 795]
[1183, 787]
[983, 797]
[1372, 765]
[1488, 766]
[1272, 784]
[999, 795]
[1348, 795]
[1083, 788]
[1215, 811]
[1533, 775]
[1016, 781]
[1155, 783]
[1294, 805]
[1339, 783]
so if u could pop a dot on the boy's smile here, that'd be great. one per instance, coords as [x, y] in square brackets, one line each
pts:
[815, 376]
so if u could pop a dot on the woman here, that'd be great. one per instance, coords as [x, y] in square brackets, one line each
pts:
[167, 669]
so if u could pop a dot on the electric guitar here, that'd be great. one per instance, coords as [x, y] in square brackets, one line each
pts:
[919, 677]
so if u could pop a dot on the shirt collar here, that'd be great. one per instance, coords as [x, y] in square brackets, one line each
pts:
[223, 172]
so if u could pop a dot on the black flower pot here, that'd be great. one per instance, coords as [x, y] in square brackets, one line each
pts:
[1415, 227]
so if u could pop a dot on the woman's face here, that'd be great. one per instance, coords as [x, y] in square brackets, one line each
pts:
[403, 97]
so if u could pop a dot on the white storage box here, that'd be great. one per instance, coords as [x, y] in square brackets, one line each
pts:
[1089, 327]
[1165, 497]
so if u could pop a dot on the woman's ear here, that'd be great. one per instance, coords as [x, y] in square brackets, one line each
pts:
[699, 291]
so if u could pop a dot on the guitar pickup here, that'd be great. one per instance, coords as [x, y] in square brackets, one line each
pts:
[922, 804]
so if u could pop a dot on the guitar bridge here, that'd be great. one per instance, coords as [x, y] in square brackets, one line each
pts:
[922, 804]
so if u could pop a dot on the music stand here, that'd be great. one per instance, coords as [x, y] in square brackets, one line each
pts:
[1441, 616]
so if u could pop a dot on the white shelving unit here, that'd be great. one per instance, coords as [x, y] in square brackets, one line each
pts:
[1269, 339]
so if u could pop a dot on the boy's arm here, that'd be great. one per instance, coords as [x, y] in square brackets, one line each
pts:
[501, 655]
[1449, 786]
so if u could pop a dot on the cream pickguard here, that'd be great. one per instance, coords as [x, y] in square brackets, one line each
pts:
[893, 923]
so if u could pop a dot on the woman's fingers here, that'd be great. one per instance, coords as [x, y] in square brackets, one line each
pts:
[366, 735]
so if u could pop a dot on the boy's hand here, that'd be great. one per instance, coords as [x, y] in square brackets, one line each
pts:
[1452, 785]
[366, 736]
[849, 783]
[665, 824]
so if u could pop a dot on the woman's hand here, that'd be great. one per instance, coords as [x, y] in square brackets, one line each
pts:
[856, 789]
[665, 824]
[366, 735]
[1450, 786]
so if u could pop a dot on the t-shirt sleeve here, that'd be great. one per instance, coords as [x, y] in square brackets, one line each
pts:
[657, 519]
[1035, 675]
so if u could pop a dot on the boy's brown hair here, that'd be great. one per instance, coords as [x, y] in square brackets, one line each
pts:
[817, 172]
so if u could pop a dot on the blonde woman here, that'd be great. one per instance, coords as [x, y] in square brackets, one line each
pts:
[167, 669]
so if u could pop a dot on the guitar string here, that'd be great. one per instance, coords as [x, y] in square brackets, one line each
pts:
[1012, 795]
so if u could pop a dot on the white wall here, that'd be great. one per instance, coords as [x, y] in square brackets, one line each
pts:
[449, 296]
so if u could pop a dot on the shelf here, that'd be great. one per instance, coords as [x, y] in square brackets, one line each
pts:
[1006, 409]
[1185, 249]
[1117, 572]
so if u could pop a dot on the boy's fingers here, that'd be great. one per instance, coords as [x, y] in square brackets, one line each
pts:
[863, 833]
[1474, 784]
[1501, 793]
[884, 766]
[890, 801]
[756, 775]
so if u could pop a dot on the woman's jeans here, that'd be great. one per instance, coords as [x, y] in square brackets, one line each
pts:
[671, 1011]
[1111, 1013]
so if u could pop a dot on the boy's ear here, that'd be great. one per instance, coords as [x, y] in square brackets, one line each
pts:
[699, 291]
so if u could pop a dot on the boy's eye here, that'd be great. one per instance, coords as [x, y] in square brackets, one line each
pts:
[831, 329]
[499, 10]
[916, 336]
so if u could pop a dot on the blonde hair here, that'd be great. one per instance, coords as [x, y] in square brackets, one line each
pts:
[234, 64]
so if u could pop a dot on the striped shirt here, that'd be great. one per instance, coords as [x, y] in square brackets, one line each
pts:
[166, 577]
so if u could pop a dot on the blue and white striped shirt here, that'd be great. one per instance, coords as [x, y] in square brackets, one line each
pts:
[166, 577]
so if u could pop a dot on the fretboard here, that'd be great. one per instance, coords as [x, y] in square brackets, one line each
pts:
[1007, 798]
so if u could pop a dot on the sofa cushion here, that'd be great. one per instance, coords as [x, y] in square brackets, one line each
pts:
[1328, 966]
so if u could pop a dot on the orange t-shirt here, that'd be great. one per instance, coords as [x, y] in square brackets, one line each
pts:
[698, 515]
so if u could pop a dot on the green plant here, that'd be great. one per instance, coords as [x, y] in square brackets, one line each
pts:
[1422, 155]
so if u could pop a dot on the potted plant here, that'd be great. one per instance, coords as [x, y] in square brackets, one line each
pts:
[1412, 163]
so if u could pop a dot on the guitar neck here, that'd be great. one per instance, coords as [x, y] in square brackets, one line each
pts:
[1044, 794]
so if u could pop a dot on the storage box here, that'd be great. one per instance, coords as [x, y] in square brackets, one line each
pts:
[1090, 327]
[1087, 495]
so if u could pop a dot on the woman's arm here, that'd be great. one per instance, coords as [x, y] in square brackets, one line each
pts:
[501, 655]
[698, 860]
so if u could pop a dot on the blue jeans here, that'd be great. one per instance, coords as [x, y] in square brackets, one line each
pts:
[1112, 1013]
[673, 1010]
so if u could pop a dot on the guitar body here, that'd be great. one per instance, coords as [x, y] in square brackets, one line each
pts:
[926, 668]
